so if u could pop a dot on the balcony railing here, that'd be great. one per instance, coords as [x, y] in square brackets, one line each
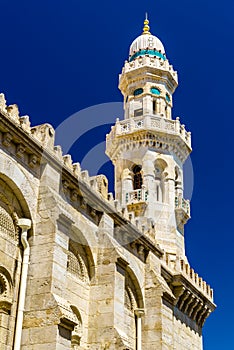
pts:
[154, 62]
[149, 122]
[136, 196]
[181, 203]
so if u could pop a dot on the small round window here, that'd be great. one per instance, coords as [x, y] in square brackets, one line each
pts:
[168, 98]
[155, 91]
[138, 92]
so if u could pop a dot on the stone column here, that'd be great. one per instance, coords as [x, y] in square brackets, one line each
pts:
[170, 191]
[157, 109]
[127, 185]
[148, 173]
[131, 109]
[139, 313]
[147, 105]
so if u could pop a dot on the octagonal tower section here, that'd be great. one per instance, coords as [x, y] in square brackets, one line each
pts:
[148, 148]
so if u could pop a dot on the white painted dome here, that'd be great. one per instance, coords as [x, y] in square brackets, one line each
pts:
[146, 41]
[146, 44]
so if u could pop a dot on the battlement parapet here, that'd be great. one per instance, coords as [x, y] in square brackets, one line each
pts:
[180, 266]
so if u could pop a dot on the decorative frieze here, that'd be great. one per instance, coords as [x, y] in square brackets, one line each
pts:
[117, 144]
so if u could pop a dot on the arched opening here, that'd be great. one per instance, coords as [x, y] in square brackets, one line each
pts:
[80, 247]
[13, 198]
[77, 262]
[137, 177]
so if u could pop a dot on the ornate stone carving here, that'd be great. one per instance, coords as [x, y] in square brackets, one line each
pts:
[7, 138]
[13, 112]
[20, 149]
[25, 123]
[2, 103]
[33, 160]
[44, 134]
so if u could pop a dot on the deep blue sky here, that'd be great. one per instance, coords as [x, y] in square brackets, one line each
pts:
[60, 56]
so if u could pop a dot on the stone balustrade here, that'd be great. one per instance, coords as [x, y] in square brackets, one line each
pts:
[154, 62]
[181, 203]
[140, 195]
[149, 122]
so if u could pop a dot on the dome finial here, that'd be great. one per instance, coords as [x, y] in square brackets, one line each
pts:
[146, 25]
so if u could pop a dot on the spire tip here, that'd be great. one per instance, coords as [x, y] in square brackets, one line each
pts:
[146, 27]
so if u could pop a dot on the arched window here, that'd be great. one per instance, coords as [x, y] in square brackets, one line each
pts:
[6, 223]
[155, 91]
[77, 263]
[138, 92]
[137, 177]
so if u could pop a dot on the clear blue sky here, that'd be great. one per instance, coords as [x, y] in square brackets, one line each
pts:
[60, 56]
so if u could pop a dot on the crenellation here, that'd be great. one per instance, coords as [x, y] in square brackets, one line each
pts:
[25, 123]
[76, 169]
[194, 277]
[110, 197]
[13, 113]
[67, 160]
[85, 176]
[45, 134]
[58, 152]
[3, 103]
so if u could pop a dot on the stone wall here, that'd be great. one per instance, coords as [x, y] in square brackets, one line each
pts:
[93, 269]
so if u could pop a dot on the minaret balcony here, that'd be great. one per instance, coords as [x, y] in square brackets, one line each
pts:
[158, 126]
[152, 64]
[136, 196]
[182, 210]
[137, 201]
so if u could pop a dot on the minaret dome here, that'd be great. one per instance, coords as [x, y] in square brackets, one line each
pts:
[146, 44]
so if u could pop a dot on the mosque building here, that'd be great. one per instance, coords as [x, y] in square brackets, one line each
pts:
[81, 268]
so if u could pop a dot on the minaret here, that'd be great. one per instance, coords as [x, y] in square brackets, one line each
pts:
[148, 148]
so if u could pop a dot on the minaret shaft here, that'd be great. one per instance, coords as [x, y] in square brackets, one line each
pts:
[149, 140]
